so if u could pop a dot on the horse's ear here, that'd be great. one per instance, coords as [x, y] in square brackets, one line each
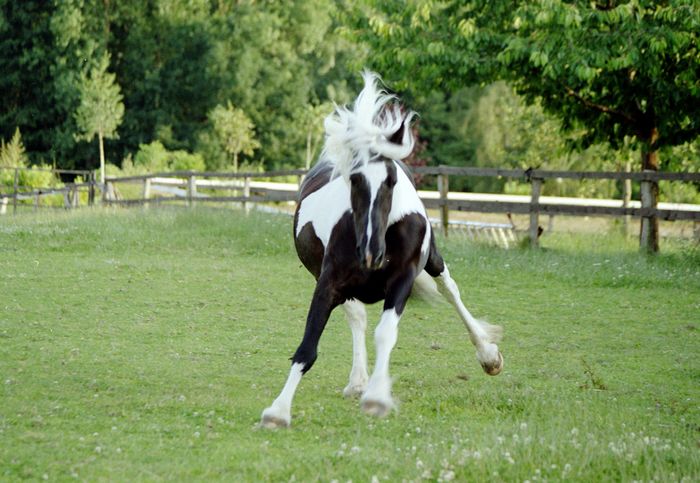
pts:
[397, 137]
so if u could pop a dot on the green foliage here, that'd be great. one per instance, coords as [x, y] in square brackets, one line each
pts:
[39, 176]
[175, 60]
[309, 126]
[493, 127]
[616, 70]
[234, 132]
[26, 82]
[13, 153]
[155, 158]
[101, 109]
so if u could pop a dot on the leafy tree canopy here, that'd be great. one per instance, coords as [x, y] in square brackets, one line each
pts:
[234, 131]
[101, 109]
[627, 68]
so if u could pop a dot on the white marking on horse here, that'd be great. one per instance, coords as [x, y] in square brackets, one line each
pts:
[377, 398]
[406, 201]
[324, 208]
[482, 334]
[279, 414]
[357, 319]
[375, 174]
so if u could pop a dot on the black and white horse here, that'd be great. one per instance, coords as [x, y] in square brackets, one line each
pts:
[364, 234]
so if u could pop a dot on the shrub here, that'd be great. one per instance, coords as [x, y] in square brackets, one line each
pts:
[154, 157]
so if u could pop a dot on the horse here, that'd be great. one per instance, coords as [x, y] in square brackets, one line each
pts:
[364, 234]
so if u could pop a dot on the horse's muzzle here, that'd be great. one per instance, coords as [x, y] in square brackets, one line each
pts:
[373, 262]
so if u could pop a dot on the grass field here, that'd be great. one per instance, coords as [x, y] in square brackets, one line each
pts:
[144, 346]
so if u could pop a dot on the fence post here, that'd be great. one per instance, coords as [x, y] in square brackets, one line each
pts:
[535, 212]
[15, 193]
[626, 198]
[443, 187]
[246, 193]
[109, 194]
[146, 191]
[191, 190]
[648, 220]
[68, 200]
[91, 189]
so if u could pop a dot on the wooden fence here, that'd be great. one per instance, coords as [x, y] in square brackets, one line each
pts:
[17, 193]
[648, 210]
[246, 188]
[250, 191]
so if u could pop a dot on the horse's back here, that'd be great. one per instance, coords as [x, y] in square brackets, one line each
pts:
[317, 177]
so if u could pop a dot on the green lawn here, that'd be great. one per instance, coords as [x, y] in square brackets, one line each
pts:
[144, 346]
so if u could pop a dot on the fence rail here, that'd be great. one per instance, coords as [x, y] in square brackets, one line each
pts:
[70, 191]
[549, 174]
[648, 212]
[249, 187]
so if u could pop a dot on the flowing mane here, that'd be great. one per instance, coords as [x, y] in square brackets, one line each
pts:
[356, 136]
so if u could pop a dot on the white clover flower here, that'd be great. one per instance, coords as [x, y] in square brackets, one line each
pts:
[446, 475]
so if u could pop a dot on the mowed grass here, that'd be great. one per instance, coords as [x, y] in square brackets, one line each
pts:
[144, 345]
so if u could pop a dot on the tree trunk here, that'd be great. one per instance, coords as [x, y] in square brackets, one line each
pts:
[100, 138]
[649, 227]
[308, 150]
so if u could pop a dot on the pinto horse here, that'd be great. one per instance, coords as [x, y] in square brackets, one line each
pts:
[362, 231]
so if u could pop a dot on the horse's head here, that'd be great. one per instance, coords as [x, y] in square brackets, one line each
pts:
[361, 143]
[371, 192]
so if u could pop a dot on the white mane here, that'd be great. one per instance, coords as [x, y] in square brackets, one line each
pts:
[355, 137]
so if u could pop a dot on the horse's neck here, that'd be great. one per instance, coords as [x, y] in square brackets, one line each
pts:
[405, 200]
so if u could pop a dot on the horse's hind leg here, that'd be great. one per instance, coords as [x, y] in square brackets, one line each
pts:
[357, 319]
[483, 335]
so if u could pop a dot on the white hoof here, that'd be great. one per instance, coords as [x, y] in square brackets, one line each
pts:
[491, 360]
[354, 389]
[273, 418]
[377, 408]
[377, 400]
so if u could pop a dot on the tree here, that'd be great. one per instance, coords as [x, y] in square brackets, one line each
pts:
[619, 69]
[309, 124]
[25, 74]
[234, 131]
[13, 153]
[101, 109]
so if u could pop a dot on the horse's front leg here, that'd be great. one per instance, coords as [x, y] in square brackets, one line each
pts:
[377, 399]
[322, 303]
[357, 319]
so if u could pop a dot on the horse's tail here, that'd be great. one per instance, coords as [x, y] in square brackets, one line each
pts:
[425, 288]
[354, 137]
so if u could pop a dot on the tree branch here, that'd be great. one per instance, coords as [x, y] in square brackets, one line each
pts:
[608, 6]
[599, 107]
